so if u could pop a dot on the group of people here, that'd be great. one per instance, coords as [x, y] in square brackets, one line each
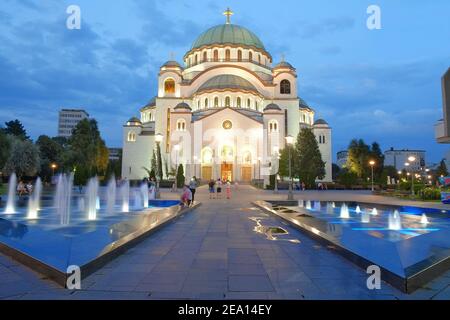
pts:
[215, 189]
[24, 188]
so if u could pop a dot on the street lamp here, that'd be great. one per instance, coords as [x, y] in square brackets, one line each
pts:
[53, 166]
[289, 142]
[176, 148]
[411, 159]
[372, 163]
[158, 138]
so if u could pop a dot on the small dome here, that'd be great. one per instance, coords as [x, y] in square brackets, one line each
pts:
[172, 64]
[302, 104]
[283, 64]
[227, 81]
[320, 121]
[272, 106]
[151, 103]
[182, 105]
[134, 122]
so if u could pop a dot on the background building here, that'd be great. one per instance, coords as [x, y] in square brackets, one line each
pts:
[115, 154]
[68, 119]
[398, 158]
[442, 128]
[342, 157]
[224, 113]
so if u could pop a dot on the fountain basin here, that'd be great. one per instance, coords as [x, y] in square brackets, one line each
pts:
[408, 257]
[49, 248]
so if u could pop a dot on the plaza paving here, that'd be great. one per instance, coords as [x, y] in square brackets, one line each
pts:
[213, 253]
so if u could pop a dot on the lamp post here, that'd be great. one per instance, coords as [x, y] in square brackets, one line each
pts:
[158, 138]
[53, 166]
[289, 142]
[411, 159]
[372, 163]
[259, 168]
[176, 148]
[195, 166]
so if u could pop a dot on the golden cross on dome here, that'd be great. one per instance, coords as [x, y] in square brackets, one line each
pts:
[228, 13]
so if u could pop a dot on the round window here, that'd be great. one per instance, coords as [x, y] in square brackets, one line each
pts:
[227, 125]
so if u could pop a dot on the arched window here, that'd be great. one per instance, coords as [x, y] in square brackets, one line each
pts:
[227, 102]
[256, 105]
[248, 103]
[206, 103]
[181, 125]
[259, 58]
[250, 56]
[285, 87]
[273, 126]
[323, 139]
[304, 118]
[131, 136]
[198, 104]
[238, 102]
[195, 59]
[216, 55]
[216, 102]
[169, 86]
[207, 156]
[205, 56]
[227, 55]
[239, 55]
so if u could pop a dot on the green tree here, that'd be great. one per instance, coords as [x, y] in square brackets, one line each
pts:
[283, 169]
[388, 171]
[4, 149]
[15, 128]
[51, 152]
[358, 157]
[86, 149]
[335, 169]
[377, 155]
[23, 158]
[347, 177]
[309, 165]
[442, 169]
[159, 166]
[180, 176]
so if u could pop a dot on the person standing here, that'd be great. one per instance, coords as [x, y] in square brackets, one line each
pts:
[193, 187]
[211, 186]
[228, 189]
[219, 188]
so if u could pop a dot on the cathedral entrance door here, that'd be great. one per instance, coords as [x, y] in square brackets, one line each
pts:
[227, 172]
[206, 173]
[246, 174]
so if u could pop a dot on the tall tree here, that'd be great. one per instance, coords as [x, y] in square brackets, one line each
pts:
[442, 169]
[377, 155]
[159, 167]
[358, 157]
[51, 152]
[87, 149]
[15, 128]
[309, 165]
[4, 148]
[23, 159]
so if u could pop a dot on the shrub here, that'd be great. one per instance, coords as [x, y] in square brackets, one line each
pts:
[430, 194]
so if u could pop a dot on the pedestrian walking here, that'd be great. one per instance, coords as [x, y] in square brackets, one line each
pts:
[219, 188]
[193, 187]
[228, 189]
[211, 186]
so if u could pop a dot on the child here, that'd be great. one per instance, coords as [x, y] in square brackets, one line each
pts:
[228, 188]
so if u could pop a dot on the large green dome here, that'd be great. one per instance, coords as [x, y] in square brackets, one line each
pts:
[228, 34]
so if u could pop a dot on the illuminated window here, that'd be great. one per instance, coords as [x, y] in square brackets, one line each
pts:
[227, 55]
[131, 136]
[169, 86]
[216, 102]
[248, 103]
[206, 103]
[285, 87]
[195, 59]
[250, 56]
[181, 125]
[227, 102]
[239, 55]
[238, 102]
[216, 55]
[205, 56]
[273, 126]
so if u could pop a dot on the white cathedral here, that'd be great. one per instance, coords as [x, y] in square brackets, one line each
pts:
[224, 114]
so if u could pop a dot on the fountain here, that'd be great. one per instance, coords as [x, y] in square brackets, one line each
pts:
[63, 197]
[125, 193]
[34, 200]
[358, 209]
[91, 198]
[144, 194]
[308, 205]
[111, 195]
[333, 205]
[10, 202]
[317, 206]
[365, 217]
[300, 203]
[374, 212]
[395, 222]
[81, 206]
[345, 214]
[424, 219]
[329, 208]
[97, 203]
[137, 205]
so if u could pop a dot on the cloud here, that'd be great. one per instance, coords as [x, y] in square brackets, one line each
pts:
[326, 26]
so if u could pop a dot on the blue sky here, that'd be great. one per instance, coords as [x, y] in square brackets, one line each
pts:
[381, 85]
